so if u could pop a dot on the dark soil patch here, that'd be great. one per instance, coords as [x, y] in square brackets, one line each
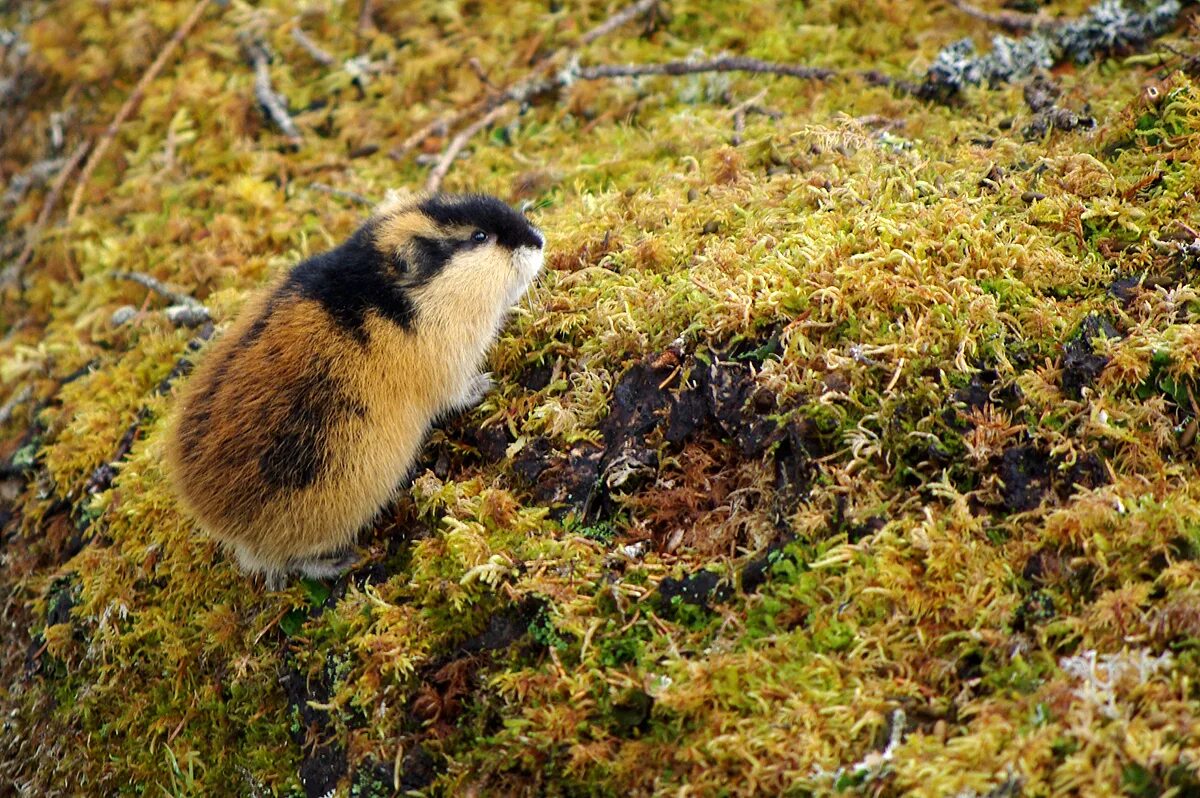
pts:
[1080, 363]
[630, 715]
[324, 762]
[758, 569]
[504, 628]
[698, 590]
[985, 388]
[418, 769]
[321, 771]
[1025, 471]
[1030, 474]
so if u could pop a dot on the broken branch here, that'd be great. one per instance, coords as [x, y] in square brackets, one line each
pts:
[722, 64]
[434, 183]
[366, 18]
[268, 98]
[341, 193]
[311, 47]
[162, 289]
[16, 400]
[617, 20]
[1011, 21]
[13, 272]
[522, 90]
[131, 104]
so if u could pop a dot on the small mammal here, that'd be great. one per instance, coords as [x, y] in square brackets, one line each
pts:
[301, 422]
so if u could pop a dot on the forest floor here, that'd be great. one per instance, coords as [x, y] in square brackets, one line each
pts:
[847, 444]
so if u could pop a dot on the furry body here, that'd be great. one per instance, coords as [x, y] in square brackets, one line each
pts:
[301, 422]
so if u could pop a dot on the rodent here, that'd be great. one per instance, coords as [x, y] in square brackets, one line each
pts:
[303, 419]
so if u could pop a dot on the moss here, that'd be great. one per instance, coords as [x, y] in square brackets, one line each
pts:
[940, 526]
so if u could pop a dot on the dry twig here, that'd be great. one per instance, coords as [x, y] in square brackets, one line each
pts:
[522, 90]
[618, 19]
[1011, 21]
[13, 272]
[434, 182]
[312, 48]
[341, 193]
[193, 305]
[366, 17]
[735, 63]
[746, 107]
[131, 104]
[16, 400]
[268, 98]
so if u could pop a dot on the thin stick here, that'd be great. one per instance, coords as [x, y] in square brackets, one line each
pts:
[739, 115]
[160, 288]
[267, 97]
[131, 104]
[434, 183]
[312, 48]
[617, 20]
[34, 235]
[522, 90]
[341, 193]
[1011, 21]
[16, 400]
[723, 64]
[366, 17]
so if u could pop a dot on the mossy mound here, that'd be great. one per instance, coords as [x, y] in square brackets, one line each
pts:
[847, 444]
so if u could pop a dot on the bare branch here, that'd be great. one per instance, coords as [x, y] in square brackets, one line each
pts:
[366, 17]
[13, 272]
[341, 193]
[617, 20]
[162, 289]
[1011, 21]
[723, 64]
[268, 98]
[521, 92]
[131, 104]
[37, 174]
[739, 112]
[16, 400]
[524, 89]
[434, 183]
[312, 48]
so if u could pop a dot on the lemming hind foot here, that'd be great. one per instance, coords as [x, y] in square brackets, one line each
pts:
[328, 567]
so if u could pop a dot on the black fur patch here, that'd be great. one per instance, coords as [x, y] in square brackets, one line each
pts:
[431, 256]
[298, 451]
[489, 214]
[350, 281]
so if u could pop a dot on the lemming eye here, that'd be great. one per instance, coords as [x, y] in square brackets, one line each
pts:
[479, 236]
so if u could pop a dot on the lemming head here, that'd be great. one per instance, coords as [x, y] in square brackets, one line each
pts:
[426, 238]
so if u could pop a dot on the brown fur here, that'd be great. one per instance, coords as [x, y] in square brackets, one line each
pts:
[293, 434]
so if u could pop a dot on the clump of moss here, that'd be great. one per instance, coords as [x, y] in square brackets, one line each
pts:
[854, 456]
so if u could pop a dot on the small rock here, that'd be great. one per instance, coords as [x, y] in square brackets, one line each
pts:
[187, 315]
[122, 315]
